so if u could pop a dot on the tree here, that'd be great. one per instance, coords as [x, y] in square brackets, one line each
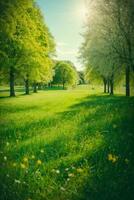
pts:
[65, 74]
[81, 77]
[109, 40]
[26, 42]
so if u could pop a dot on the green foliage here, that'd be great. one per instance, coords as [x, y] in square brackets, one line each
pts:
[65, 73]
[109, 39]
[26, 42]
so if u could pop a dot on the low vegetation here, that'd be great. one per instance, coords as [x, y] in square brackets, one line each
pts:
[67, 144]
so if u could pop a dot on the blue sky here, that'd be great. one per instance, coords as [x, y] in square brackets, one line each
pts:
[65, 20]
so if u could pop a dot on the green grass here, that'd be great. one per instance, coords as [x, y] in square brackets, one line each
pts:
[67, 145]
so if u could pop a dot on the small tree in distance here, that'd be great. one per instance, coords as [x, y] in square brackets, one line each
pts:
[65, 74]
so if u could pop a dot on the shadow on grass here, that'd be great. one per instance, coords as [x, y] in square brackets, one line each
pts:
[112, 118]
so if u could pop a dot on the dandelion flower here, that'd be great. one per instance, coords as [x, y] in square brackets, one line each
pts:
[33, 157]
[39, 162]
[25, 159]
[23, 166]
[79, 170]
[14, 164]
[112, 158]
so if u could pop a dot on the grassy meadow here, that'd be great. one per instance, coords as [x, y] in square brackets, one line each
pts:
[75, 144]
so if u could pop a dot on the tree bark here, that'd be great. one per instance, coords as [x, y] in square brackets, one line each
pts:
[27, 85]
[39, 86]
[35, 87]
[111, 86]
[12, 77]
[63, 85]
[105, 85]
[128, 80]
[108, 87]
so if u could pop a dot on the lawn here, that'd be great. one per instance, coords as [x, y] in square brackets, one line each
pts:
[76, 144]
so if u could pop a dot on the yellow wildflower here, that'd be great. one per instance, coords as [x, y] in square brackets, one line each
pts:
[25, 159]
[112, 158]
[23, 166]
[39, 162]
[14, 164]
[33, 157]
[79, 170]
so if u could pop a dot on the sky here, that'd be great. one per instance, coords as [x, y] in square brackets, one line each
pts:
[65, 19]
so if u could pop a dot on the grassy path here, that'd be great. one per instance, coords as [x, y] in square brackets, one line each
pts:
[67, 145]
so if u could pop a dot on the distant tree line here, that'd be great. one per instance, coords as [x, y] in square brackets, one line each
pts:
[27, 48]
[108, 47]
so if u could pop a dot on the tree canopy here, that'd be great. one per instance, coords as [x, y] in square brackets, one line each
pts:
[107, 50]
[65, 73]
[27, 46]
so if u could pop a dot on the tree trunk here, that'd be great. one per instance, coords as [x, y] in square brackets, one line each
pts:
[63, 85]
[108, 87]
[111, 86]
[35, 87]
[39, 86]
[12, 90]
[128, 80]
[27, 86]
[105, 85]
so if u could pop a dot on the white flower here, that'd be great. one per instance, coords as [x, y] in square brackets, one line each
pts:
[42, 151]
[7, 143]
[62, 188]
[71, 175]
[57, 171]
[5, 158]
[17, 181]
[66, 169]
